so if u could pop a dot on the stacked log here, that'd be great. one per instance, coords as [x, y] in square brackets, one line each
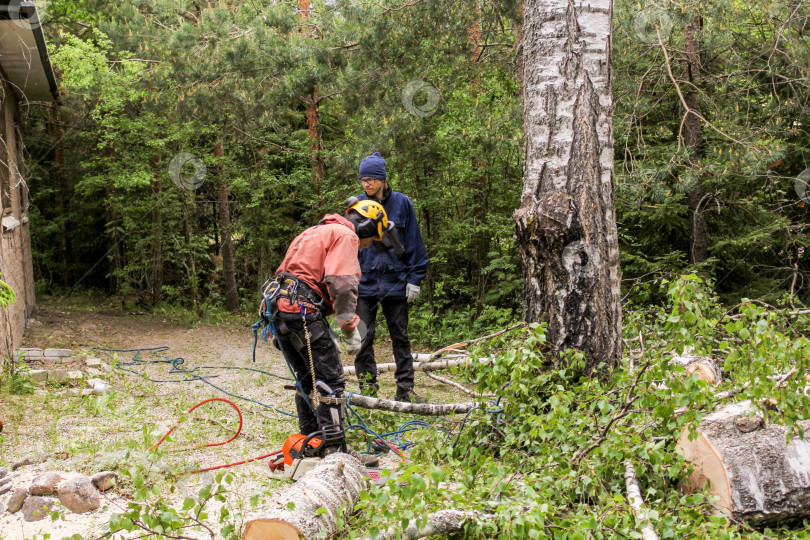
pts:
[756, 476]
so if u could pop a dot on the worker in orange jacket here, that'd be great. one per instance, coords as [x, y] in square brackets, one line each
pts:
[319, 276]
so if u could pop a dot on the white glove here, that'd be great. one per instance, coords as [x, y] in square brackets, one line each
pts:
[412, 292]
[353, 341]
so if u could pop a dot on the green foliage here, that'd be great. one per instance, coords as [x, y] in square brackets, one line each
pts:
[546, 458]
[15, 378]
[6, 294]
[151, 512]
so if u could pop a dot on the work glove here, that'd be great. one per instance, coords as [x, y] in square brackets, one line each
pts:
[353, 341]
[412, 292]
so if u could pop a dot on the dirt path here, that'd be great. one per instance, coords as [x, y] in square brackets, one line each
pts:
[94, 430]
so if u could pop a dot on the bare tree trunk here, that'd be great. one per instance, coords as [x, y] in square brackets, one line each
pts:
[226, 246]
[698, 248]
[115, 244]
[191, 266]
[566, 224]
[313, 113]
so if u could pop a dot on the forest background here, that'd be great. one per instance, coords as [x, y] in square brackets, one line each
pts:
[195, 140]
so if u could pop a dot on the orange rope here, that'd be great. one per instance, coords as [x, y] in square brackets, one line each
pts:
[235, 435]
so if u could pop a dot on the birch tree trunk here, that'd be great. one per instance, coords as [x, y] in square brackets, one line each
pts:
[566, 224]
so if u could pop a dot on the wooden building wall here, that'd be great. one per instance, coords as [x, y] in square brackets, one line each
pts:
[16, 264]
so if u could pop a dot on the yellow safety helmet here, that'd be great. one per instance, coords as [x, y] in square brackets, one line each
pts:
[368, 217]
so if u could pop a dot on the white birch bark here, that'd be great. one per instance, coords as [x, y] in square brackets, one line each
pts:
[566, 224]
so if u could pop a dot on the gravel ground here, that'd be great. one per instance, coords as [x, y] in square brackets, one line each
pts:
[95, 431]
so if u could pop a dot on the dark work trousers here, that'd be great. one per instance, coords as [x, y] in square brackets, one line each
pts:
[395, 311]
[328, 368]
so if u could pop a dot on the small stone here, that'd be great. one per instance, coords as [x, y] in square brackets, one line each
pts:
[104, 480]
[16, 500]
[106, 367]
[94, 372]
[93, 362]
[57, 352]
[45, 484]
[87, 392]
[92, 382]
[72, 391]
[57, 375]
[39, 375]
[30, 460]
[103, 388]
[30, 351]
[75, 375]
[35, 508]
[3, 472]
[79, 495]
[5, 488]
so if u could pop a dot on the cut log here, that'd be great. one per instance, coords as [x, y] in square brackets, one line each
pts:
[706, 368]
[334, 485]
[755, 475]
[424, 409]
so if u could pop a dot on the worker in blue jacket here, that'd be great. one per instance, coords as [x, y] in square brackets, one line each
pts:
[389, 280]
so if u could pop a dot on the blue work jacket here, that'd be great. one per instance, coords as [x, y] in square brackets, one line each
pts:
[384, 275]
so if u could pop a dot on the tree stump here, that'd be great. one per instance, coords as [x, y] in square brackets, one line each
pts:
[755, 475]
[334, 485]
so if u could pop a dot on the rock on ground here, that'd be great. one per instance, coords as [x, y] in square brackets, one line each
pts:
[79, 495]
[45, 484]
[16, 500]
[35, 507]
[104, 480]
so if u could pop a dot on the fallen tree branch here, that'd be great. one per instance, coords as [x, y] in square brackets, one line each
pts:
[462, 360]
[637, 502]
[441, 522]
[455, 346]
[454, 384]
[623, 411]
[424, 409]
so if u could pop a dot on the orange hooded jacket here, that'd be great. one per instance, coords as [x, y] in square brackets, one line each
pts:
[325, 258]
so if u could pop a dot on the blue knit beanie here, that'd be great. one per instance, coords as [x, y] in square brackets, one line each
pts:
[373, 166]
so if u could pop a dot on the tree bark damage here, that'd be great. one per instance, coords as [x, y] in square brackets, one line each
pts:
[755, 475]
[566, 224]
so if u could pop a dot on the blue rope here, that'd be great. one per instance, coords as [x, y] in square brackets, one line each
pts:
[177, 368]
